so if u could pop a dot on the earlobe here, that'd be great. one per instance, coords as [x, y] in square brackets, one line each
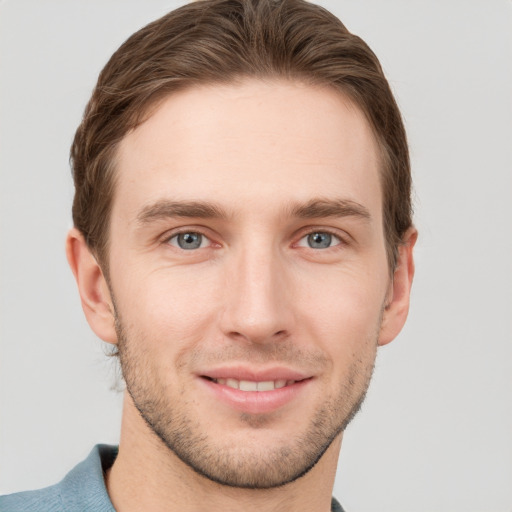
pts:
[397, 305]
[92, 286]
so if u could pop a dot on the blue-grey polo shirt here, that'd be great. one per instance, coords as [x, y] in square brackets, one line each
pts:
[82, 489]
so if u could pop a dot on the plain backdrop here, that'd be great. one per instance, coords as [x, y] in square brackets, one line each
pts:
[435, 434]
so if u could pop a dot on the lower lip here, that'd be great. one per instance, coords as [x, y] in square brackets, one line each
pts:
[256, 402]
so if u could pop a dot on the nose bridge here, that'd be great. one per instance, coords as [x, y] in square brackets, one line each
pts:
[256, 305]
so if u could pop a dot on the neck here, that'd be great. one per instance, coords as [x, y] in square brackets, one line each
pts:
[148, 476]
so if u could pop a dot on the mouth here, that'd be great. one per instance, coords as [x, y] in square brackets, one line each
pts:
[256, 394]
[250, 385]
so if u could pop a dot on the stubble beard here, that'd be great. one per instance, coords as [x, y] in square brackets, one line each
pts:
[239, 466]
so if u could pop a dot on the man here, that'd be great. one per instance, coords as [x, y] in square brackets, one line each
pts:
[243, 236]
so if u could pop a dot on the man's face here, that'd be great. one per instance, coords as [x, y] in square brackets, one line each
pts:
[249, 275]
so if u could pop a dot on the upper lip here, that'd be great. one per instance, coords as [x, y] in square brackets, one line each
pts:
[254, 374]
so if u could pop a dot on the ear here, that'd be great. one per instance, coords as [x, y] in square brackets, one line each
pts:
[92, 286]
[397, 304]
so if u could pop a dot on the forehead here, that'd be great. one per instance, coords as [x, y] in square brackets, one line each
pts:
[242, 144]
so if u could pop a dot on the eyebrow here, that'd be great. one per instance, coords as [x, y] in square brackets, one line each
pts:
[322, 208]
[164, 209]
[313, 209]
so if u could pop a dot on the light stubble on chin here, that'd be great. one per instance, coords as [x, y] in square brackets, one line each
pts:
[242, 465]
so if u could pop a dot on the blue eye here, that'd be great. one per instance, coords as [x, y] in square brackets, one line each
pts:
[189, 240]
[319, 240]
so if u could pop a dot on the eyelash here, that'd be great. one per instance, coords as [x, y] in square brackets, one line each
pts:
[332, 233]
[312, 230]
[168, 237]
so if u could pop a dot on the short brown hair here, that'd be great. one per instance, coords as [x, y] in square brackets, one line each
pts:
[220, 41]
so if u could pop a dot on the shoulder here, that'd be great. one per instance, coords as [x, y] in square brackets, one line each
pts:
[335, 506]
[83, 488]
[48, 499]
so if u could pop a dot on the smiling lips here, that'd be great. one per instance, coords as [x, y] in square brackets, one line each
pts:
[256, 394]
[249, 385]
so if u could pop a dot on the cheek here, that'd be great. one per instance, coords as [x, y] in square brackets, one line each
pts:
[167, 304]
[344, 314]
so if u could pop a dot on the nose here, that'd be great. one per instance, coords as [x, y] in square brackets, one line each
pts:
[257, 300]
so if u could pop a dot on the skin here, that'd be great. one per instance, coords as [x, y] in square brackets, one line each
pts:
[268, 163]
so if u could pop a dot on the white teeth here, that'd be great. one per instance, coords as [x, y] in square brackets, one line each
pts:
[267, 385]
[232, 383]
[249, 385]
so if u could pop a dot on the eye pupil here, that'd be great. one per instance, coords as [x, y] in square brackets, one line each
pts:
[319, 240]
[189, 241]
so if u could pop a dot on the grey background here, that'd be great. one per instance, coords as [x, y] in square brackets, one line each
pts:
[435, 432]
